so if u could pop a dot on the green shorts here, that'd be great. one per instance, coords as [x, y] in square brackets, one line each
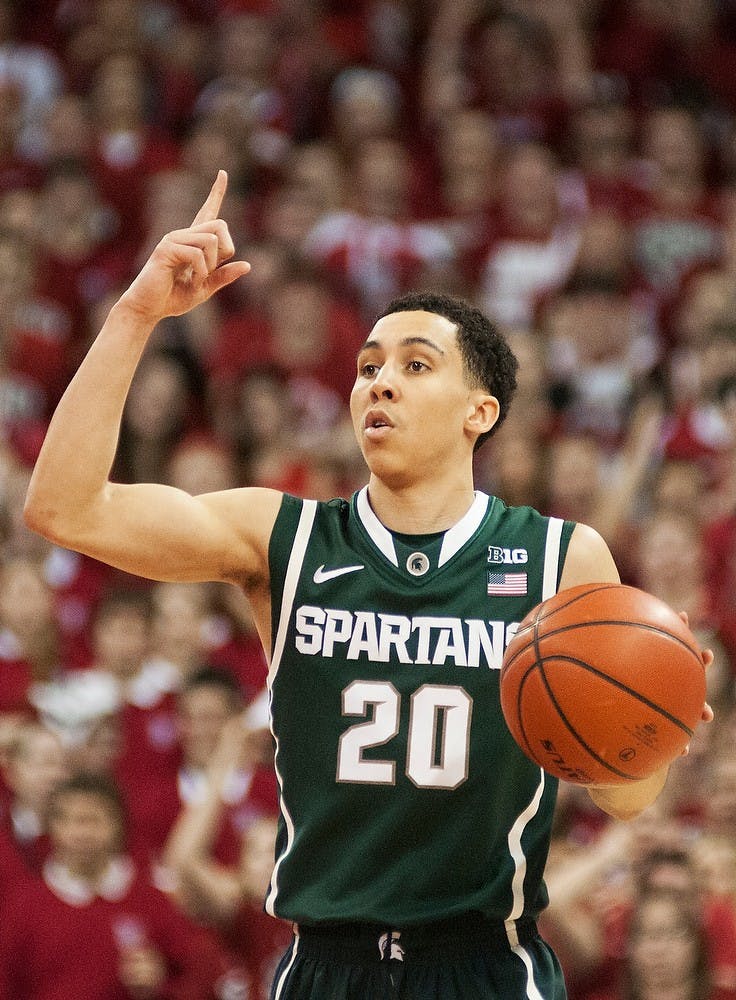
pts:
[464, 959]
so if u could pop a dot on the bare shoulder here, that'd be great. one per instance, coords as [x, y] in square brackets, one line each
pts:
[250, 514]
[588, 559]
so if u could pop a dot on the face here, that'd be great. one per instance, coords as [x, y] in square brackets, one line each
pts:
[664, 949]
[37, 768]
[180, 614]
[26, 602]
[85, 831]
[121, 641]
[202, 714]
[201, 468]
[669, 552]
[157, 399]
[412, 408]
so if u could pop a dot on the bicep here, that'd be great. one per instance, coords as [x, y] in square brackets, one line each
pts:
[588, 559]
[163, 533]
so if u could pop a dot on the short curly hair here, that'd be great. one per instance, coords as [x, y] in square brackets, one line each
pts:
[489, 362]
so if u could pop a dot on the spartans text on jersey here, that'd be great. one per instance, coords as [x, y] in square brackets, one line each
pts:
[423, 639]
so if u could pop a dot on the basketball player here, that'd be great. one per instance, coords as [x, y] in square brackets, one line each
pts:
[413, 831]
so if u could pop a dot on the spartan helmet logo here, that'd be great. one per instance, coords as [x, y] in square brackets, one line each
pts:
[417, 564]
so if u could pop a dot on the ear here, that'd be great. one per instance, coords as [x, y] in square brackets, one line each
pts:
[482, 413]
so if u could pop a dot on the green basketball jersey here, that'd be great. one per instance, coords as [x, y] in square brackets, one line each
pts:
[404, 798]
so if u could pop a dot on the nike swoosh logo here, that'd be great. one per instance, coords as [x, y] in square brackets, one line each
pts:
[322, 575]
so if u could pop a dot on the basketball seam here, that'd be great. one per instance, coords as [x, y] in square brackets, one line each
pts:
[532, 753]
[541, 615]
[571, 728]
[534, 641]
[566, 722]
[619, 684]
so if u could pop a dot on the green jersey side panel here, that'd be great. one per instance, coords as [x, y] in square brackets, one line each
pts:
[404, 798]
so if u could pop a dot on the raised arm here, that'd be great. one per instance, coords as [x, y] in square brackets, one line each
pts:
[589, 560]
[148, 529]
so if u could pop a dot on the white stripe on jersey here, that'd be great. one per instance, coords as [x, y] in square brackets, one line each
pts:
[293, 571]
[551, 557]
[519, 858]
[517, 883]
[284, 975]
[549, 587]
[532, 990]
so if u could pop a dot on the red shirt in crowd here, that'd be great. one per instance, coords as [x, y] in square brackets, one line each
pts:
[61, 941]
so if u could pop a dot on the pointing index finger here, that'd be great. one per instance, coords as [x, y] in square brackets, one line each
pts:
[211, 208]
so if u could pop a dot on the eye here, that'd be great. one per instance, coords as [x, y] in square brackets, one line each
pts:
[368, 370]
[417, 366]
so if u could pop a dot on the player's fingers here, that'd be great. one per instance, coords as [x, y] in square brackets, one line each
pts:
[225, 245]
[685, 617]
[206, 241]
[708, 714]
[211, 207]
[707, 656]
[216, 228]
[225, 275]
[190, 264]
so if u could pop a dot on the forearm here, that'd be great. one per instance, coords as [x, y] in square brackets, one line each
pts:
[212, 892]
[570, 880]
[74, 464]
[625, 802]
[192, 834]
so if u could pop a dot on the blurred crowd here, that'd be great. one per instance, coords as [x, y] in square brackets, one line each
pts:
[567, 165]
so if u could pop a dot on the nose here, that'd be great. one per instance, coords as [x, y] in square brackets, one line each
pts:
[383, 385]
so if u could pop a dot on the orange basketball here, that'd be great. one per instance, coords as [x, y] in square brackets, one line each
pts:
[602, 684]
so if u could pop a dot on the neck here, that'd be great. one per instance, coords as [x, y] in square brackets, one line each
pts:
[89, 870]
[420, 510]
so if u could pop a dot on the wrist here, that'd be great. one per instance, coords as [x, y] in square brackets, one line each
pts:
[137, 320]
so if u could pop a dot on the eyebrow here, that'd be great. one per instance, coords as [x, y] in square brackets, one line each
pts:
[406, 342]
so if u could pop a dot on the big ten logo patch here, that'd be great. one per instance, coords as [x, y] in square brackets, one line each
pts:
[500, 556]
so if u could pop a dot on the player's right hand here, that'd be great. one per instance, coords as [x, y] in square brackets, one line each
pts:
[188, 265]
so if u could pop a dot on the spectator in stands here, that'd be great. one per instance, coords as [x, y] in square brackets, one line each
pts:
[602, 147]
[128, 148]
[37, 75]
[35, 765]
[536, 239]
[197, 625]
[667, 952]
[36, 338]
[122, 649]
[683, 226]
[364, 105]
[201, 463]
[596, 894]
[29, 635]
[244, 95]
[209, 699]
[230, 896]
[375, 248]
[158, 413]
[467, 151]
[93, 926]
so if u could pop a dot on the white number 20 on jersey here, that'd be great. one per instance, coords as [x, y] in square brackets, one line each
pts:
[438, 736]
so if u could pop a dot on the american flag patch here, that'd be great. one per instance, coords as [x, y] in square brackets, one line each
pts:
[507, 584]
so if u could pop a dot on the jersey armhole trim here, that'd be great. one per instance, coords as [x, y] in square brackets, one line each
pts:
[291, 581]
[552, 547]
[294, 568]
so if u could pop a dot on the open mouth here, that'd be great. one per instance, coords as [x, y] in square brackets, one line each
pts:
[376, 424]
